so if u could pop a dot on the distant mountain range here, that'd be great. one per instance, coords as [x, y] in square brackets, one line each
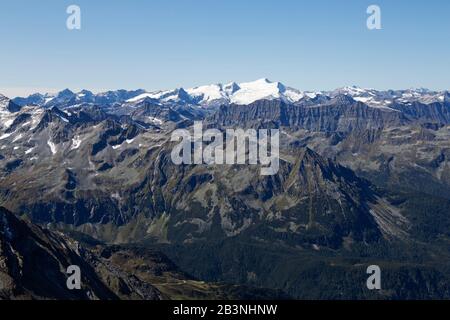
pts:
[232, 93]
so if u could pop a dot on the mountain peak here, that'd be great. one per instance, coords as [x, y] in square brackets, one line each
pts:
[65, 93]
[350, 90]
[8, 104]
[85, 92]
[343, 99]
[231, 87]
[257, 90]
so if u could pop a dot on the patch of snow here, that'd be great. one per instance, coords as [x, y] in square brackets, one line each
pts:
[52, 146]
[8, 123]
[116, 196]
[142, 97]
[36, 118]
[312, 95]
[294, 95]
[4, 136]
[47, 100]
[63, 119]
[26, 124]
[76, 142]
[18, 137]
[155, 120]
[362, 99]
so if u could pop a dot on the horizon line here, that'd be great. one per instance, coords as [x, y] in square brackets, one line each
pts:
[24, 92]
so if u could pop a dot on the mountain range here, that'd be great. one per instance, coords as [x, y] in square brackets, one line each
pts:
[232, 93]
[363, 180]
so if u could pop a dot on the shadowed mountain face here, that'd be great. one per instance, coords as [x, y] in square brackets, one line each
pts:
[363, 174]
[34, 261]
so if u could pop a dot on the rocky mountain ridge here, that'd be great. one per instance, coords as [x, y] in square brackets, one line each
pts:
[356, 177]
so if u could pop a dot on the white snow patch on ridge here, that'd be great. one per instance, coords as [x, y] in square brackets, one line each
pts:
[17, 138]
[155, 120]
[4, 136]
[76, 142]
[52, 146]
[8, 123]
[141, 97]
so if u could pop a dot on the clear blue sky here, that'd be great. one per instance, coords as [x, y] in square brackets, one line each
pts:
[157, 44]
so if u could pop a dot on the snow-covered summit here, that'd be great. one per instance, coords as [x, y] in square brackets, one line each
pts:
[264, 89]
[215, 94]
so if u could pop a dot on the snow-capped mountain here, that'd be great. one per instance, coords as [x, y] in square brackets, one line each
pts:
[204, 96]
[3, 101]
[264, 89]
[68, 98]
[231, 93]
[169, 96]
[7, 105]
[214, 95]
[375, 98]
[5, 118]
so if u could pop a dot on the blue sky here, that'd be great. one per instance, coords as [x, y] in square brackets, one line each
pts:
[158, 44]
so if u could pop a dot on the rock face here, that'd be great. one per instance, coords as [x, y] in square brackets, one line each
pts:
[34, 261]
[391, 146]
[340, 114]
[310, 197]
